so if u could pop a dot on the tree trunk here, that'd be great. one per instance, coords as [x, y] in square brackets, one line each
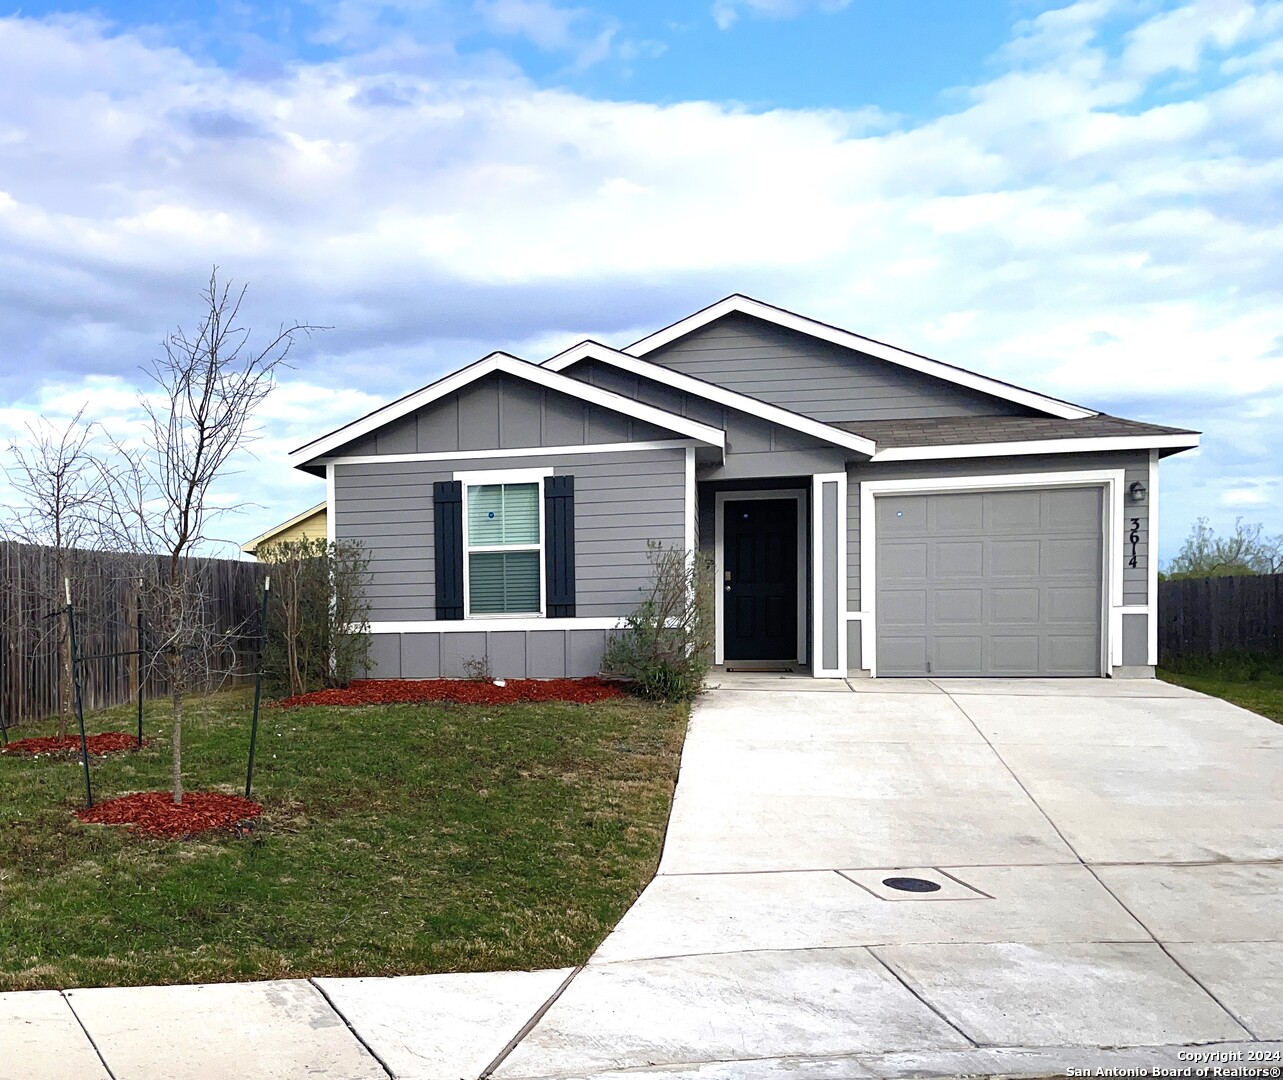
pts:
[176, 742]
[66, 684]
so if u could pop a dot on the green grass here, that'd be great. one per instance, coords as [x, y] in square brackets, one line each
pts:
[396, 839]
[1252, 681]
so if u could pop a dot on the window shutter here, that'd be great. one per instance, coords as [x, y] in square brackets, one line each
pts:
[447, 521]
[559, 545]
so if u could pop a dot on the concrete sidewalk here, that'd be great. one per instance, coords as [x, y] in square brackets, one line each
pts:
[1110, 894]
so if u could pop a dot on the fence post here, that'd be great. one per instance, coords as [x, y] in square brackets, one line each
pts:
[138, 668]
[75, 683]
[258, 684]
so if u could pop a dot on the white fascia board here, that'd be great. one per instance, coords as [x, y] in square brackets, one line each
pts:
[513, 452]
[1152, 556]
[591, 350]
[499, 624]
[1037, 446]
[521, 369]
[790, 320]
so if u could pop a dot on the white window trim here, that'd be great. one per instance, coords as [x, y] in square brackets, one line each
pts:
[824, 332]
[1111, 560]
[504, 476]
[817, 574]
[719, 515]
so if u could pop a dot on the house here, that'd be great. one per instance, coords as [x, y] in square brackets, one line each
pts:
[870, 511]
[309, 525]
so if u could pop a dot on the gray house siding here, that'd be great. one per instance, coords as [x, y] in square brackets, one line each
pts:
[622, 499]
[1135, 466]
[815, 378]
[501, 412]
[754, 447]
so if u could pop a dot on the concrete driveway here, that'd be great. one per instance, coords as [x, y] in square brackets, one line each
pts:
[1109, 863]
[1111, 891]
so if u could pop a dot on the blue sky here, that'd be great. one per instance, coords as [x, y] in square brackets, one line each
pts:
[1080, 197]
[769, 55]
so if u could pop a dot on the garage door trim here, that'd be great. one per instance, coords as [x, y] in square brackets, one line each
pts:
[1111, 563]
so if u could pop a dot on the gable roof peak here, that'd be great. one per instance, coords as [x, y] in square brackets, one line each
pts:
[791, 320]
[499, 361]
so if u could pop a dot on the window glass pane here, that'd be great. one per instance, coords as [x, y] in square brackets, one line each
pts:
[503, 514]
[503, 582]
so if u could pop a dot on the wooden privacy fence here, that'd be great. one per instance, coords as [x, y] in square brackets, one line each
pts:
[1205, 616]
[105, 597]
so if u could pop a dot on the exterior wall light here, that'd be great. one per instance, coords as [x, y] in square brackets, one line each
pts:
[1137, 492]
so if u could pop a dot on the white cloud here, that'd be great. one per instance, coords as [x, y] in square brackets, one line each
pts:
[1177, 39]
[575, 30]
[1057, 229]
[1251, 497]
[727, 12]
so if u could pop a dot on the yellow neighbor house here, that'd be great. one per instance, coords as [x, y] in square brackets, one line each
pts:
[309, 525]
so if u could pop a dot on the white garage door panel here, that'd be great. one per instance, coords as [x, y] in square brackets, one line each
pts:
[1002, 583]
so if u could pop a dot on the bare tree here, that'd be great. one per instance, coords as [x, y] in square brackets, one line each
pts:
[59, 485]
[208, 384]
[1247, 550]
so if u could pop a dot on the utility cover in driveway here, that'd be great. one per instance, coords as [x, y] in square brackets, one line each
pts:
[1001, 583]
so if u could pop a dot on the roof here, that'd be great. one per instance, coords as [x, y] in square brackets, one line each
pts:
[746, 305]
[276, 530]
[308, 453]
[1062, 428]
[961, 436]
[689, 384]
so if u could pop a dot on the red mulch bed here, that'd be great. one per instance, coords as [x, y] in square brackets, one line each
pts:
[109, 742]
[154, 812]
[463, 691]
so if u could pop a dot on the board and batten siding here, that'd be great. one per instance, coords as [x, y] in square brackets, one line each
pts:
[511, 654]
[501, 412]
[816, 378]
[622, 499]
[755, 448]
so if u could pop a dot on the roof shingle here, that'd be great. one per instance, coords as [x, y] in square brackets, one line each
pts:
[964, 430]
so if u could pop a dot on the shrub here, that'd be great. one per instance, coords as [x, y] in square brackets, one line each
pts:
[317, 624]
[666, 645]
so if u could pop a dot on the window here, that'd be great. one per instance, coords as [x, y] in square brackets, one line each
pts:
[503, 546]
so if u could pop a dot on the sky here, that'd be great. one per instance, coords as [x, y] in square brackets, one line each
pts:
[1082, 198]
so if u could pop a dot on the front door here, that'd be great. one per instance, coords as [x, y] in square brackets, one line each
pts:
[760, 579]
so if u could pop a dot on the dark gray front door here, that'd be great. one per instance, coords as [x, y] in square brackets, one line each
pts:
[759, 605]
[1002, 583]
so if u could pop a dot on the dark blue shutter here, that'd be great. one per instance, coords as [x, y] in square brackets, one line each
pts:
[447, 520]
[559, 545]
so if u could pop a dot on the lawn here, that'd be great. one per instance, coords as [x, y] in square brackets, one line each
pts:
[396, 839]
[1255, 683]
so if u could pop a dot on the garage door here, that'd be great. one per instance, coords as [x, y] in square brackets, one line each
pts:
[1001, 583]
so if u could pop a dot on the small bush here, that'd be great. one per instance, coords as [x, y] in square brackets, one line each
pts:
[666, 645]
[317, 635]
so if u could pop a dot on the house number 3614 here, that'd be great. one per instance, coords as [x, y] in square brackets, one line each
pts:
[1133, 538]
